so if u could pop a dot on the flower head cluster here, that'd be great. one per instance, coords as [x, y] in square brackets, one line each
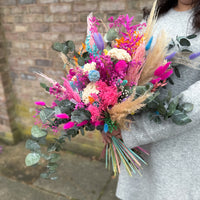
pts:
[89, 66]
[90, 89]
[119, 54]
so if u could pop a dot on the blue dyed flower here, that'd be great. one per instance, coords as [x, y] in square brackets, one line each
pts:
[93, 75]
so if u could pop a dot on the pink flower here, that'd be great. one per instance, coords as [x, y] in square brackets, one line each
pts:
[95, 112]
[68, 125]
[154, 81]
[82, 123]
[160, 70]
[121, 67]
[40, 103]
[62, 116]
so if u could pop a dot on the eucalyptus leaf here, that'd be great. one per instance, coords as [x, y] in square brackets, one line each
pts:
[32, 145]
[65, 50]
[52, 166]
[180, 118]
[82, 131]
[36, 132]
[184, 42]
[187, 107]
[32, 159]
[81, 61]
[46, 114]
[54, 157]
[57, 110]
[58, 46]
[176, 71]
[70, 44]
[111, 35]
[191, 36]
[43, 85]
[80, 115]
[44, 175]
[171, 108]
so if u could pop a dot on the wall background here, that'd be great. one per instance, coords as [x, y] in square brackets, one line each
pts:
[27, 30]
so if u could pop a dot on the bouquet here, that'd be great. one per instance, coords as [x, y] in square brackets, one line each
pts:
[110, 79]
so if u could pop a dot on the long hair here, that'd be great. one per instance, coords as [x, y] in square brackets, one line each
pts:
[165, 5]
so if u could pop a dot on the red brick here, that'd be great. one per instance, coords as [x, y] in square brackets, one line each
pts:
[110, 5]
[18, 10]
[60, 18]
[21, 45]
[13, 36]
[20, 28]
[50, 36]
[39, 27]
[8, 27]
[38, 9]
[80, 28]
[26, 1]
[32, 36]
[7, 2]
[48, 1]
[41, 62]
[74, 37]
[65, 8]
[60, 28]
[78, 7]
[31, 18]
[48, 18]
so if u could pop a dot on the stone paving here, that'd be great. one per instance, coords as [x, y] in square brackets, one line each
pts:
[79, 178]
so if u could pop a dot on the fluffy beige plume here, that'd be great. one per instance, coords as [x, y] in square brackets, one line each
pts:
[120, 111]
[155, 58]
[182, 58]
[151, 22]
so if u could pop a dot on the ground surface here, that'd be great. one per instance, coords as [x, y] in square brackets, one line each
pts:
[79, 178]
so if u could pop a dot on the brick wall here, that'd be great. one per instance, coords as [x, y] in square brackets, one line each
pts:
[28, 28]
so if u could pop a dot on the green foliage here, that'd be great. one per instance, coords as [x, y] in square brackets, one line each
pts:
[43, 85]
[36, 132]
[32, 159]
[111, 35]
[32, 145]
[169, 108]
[80, 115]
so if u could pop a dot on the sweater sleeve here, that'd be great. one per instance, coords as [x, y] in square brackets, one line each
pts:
[144, 131]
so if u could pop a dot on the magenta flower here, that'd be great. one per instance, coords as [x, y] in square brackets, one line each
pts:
[121, 67]
[166, 74]
[111, 19]
[82, 123]
[161, 70]
[62, 116]
[40, 103]
[68, 125]
[154, 81]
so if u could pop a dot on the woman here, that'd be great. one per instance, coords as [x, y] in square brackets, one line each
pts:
[173, 171]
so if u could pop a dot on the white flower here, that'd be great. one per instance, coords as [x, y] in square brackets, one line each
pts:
[119, 54]
[90, 88]
[89, 66]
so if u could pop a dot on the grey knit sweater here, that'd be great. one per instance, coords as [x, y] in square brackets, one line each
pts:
[173, 171]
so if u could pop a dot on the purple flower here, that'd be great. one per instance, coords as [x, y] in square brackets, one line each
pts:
[1, 148]
[169, 57]
[194, 55]
[99, 41]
